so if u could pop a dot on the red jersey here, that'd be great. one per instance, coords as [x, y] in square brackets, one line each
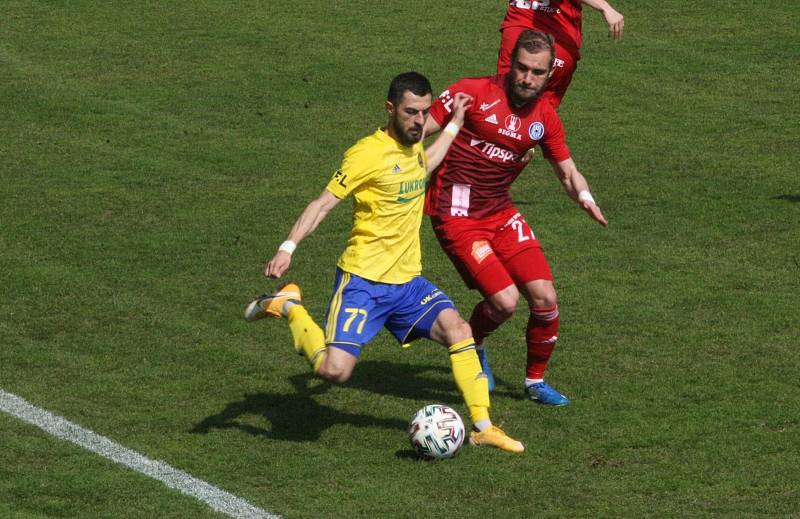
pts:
[561, 18]
[484, 160]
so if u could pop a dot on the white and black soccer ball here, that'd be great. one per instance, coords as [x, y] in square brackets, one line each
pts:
[436, 432]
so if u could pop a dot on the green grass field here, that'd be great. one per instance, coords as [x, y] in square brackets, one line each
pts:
[153, 155]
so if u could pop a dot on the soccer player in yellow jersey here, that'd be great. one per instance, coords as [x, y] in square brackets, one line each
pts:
[378, 277]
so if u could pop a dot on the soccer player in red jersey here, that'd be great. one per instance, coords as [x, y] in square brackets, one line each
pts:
[561, 19]
[470, 205]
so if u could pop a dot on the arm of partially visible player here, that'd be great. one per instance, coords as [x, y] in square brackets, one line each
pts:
[431, 127]
[577, 188]
[312, 215]
[435, 152]
[614, 20]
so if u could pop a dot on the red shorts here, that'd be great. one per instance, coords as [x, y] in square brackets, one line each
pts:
[492, 253]
[563, 68]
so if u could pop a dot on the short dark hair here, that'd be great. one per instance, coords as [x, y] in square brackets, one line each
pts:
[414, 82]
[533, 42]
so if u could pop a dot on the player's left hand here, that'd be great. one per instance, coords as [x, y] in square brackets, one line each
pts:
[461, 103]
[594, 211]
[527, 157]
[615, 21]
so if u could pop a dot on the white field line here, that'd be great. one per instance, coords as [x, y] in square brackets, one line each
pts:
[217, 499]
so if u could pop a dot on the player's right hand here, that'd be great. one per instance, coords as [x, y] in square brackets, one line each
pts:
[278, 265]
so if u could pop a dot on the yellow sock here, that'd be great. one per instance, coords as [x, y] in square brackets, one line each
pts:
[470, 380]
[308, 336]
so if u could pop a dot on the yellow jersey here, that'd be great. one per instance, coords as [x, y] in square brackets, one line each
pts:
[387, 181]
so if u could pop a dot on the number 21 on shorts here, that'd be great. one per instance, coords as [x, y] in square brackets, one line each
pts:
[524, 233]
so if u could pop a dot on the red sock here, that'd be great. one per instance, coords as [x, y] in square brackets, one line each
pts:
[542, 335]
[481, 322]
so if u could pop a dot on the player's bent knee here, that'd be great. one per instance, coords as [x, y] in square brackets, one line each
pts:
[506, 311]
[334, 374]
[504, 303]
[459, 331]
[449, 328]
[338, 366]
[546, 299]
[548, 302]
[541, 294]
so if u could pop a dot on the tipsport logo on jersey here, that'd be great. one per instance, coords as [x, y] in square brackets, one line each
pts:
[493, 151]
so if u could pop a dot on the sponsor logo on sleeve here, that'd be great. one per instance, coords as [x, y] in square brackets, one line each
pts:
[536, 131]
[340, 178]
[447, 100]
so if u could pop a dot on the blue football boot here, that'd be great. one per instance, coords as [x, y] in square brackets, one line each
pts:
[485, 367]
[542, 393]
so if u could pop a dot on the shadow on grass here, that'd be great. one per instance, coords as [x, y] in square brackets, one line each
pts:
[790, 198]
[411, 455]
[299, 417]
[413, 381]
[293, 417]
[433, 384]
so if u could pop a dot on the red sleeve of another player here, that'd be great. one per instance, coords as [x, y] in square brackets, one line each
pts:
[553, 143]
[441, 109]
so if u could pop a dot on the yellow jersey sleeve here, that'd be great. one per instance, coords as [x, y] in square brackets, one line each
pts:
[358, 166]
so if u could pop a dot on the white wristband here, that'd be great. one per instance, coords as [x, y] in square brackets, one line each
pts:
[288, 246]
[585, 196]
[452, 129]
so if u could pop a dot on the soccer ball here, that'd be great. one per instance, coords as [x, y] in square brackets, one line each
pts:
[436, 432]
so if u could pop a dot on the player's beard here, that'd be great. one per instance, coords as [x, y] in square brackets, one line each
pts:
[407, 137]
[520, 95]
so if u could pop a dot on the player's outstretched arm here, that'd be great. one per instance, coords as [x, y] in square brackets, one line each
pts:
[312, 215]
[436, 151]
[614, 20]
[577, 188]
